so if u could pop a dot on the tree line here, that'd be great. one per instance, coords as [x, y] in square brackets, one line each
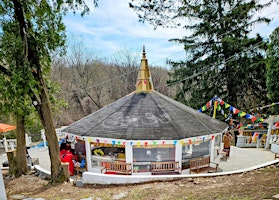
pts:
[88, 83]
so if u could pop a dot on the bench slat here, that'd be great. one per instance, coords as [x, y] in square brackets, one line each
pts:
[117, 167]
[165, 168]
[202, 164]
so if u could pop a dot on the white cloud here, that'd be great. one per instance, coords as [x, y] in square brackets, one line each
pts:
[113, 26]
[271, 12]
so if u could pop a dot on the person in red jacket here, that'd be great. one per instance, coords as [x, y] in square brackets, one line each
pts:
[63, 150]
[70, 158]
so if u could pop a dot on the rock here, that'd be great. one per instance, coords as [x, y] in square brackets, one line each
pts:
[120, 195]
[79, 183]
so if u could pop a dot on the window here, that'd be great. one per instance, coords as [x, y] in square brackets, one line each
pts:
[193, 151]
[153, 154]
[143, 156]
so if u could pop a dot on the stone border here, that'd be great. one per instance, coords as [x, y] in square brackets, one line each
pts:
[41, 172]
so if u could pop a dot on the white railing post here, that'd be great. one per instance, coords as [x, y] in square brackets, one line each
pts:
[5, 144]
[43, 137]
[28, 140]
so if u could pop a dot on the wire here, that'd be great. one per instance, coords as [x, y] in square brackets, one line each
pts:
[207, 68]
[186, 78]
[192, 76]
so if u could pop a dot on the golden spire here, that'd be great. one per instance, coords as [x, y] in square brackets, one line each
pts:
[144, 82]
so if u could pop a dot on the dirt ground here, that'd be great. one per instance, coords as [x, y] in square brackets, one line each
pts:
[258, 184]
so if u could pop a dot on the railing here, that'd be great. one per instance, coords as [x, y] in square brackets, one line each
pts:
[2, 146]
[8, 144]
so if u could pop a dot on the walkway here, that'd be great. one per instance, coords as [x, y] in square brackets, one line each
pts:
[240, 158]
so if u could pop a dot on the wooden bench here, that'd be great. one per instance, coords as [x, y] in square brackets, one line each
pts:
[117, 168]
[202, 164]
[158, 168]
[79, 170]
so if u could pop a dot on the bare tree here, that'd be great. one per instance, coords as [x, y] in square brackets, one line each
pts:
[127, 63]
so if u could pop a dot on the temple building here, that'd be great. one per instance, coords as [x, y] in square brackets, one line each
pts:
[143, 128]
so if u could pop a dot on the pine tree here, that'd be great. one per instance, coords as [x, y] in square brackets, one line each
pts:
[221, 59]
[273, 68]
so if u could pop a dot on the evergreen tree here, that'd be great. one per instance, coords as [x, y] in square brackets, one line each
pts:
[221, 59]
[273, 68]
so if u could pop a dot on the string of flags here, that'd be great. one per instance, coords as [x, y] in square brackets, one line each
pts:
[106, 141]
[266, 106]
[234, 110]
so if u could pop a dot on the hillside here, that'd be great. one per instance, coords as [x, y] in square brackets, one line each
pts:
[258, 184]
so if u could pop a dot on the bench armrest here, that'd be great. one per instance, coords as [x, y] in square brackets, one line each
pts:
[103, 169]
[216, 163]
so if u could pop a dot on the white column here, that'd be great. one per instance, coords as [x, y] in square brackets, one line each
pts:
[211, 150]
[3, 195]
[178, 152]
[28, 140]
[12, 144]
[88, 155]
[271, 121]
[43, 137]
[5, 144]
[129, 153]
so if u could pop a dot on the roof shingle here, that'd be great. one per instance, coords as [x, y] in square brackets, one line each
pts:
[146, 116]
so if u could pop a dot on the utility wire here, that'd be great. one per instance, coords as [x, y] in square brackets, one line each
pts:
[186, 78]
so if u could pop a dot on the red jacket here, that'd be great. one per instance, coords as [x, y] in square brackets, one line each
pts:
[62, 154]
[70, 158]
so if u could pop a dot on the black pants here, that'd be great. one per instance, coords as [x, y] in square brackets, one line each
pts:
[227, 150]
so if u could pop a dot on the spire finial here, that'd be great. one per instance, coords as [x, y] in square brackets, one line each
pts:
[143, 52]
[144, 82]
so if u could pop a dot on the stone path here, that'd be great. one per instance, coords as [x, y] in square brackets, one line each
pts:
[241, 158]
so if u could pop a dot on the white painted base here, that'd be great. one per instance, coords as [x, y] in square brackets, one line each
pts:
[275, 148]
[106, 179]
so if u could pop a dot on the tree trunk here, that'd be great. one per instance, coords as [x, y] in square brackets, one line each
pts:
[43, 108]
[45, 114]
[17, 158]
[21, 161]
[65, 167]
[12, 162]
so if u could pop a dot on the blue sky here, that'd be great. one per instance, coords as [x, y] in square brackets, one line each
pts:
[113, 26]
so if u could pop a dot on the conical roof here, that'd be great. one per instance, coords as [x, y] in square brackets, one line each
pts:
[146, 115]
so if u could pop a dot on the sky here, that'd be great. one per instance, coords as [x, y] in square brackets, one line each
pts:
[113, 26]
